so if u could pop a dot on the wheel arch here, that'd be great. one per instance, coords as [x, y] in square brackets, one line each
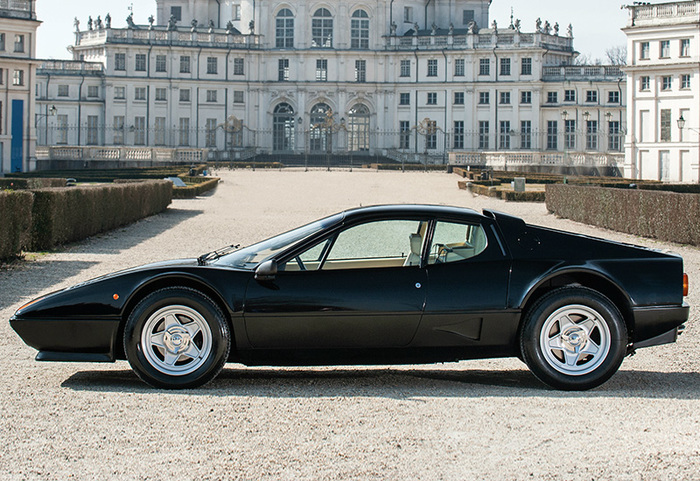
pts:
[586, 278]
[165, 281]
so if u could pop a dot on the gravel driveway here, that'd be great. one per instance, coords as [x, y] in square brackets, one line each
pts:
[471, 420]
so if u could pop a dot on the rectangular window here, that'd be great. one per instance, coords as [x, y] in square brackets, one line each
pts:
[360, 70]
[92, 129]
[238, 97]
[484, 66]
[404, 98]
[591, 96]
[185, 63]
[458, 135]
[139, 130]
[93, 91]
[159, 131]
[432, 98]
[405, 68]
[685, 47]
[484, 98]
[552, 133]
[184, 139]
[184, 95]
[665, 125]
[505, 135]
[644, 51]
[483, 135]
[431, 135]
[505, 67]
[212, 95]
[19, 43]
[666, 82]
[552, 97]
[526, 66]
[2, 42]
[161, 94]
[176, 12]
[161, 63]
[140, 93]
[62, 129]
[592, 135]
[525, 134]
[63, 90]
[685, 81]
[283, 69]
[614, 97]
[238, 66]
[120, 61]
[140, 65]
[212, 67]
[459, 98]
[118, 127]
[569, 96]
[119, 93]
[614, 138]
[407, 14]
[321, 70]
[505, 98]
[404, 134]
[432, 68]
[18, 78]
[467, 16]
[459, 67]
[526, 97]
[236, 12]
[664, 49]
[570, 134]
[644, 83]
[210, 136]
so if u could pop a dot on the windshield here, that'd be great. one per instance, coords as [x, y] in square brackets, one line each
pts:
[249, 257]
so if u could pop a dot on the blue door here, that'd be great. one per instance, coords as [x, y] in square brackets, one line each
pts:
[17, 145]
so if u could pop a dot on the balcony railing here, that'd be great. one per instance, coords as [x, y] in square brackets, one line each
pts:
[582, 72]
[664, 13]
[218, 38]
[489, 40]
[71, 67]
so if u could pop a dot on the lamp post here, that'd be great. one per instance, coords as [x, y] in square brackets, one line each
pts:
[51, 113]
[565, 117]
[330, 126]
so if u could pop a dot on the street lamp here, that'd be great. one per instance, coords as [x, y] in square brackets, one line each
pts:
[681, 122]
[51, 113]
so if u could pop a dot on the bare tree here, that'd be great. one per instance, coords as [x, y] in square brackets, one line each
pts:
[586, 59]
[617, 55]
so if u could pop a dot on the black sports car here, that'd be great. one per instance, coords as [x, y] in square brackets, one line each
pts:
[376, 285]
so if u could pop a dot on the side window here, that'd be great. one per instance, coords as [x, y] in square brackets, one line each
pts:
[454, 242]
[309, 260]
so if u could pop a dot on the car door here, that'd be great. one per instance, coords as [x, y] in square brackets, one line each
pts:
[468, 275]
[363, 287]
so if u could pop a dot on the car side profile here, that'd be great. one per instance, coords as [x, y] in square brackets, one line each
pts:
[389, 284]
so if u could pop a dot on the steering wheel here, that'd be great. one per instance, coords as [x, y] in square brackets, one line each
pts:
[442, 251]
[300, 263]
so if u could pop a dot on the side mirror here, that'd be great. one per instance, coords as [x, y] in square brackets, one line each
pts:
[267, 271]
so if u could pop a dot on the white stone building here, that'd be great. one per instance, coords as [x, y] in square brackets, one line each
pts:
[18, 25]
[663, 72]
[407, 79]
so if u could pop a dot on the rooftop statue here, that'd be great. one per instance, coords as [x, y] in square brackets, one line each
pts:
[194, 24]
[172, 23]
[89, 24]
[98, 23]
[108, 21]
[130, 21]
[76, 24]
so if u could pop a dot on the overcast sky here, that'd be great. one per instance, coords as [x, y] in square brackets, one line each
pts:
[597, 23]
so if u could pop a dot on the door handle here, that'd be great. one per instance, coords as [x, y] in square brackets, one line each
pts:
[418, 285]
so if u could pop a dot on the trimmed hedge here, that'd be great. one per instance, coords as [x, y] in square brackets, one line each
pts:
[108, 175]
[398, 166]
[667, 216]
[199, 187]
[36, 183]
[16, 225]
[70, 214]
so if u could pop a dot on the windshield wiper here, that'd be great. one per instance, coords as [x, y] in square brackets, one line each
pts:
[210, 256]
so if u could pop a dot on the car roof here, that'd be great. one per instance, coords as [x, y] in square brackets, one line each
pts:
[411, 209]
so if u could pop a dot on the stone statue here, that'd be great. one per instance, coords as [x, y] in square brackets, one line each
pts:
[494, 26]
[229, 27]
[194, 24]
[211, 26]
[151, 21]
[433, 29]
[76, 24]
[172, 23]
[251, 26]
[393, 28]
[130, 21]
[517, 25]
[90, 23]
[451, 30]
[415, 28]
[570, 31]
[108, 21]
[538, 25]
[472, 28]
[556, 29]
[547, 28]
[98, 23]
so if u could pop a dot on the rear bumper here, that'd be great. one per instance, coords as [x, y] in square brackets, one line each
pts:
[656, 325]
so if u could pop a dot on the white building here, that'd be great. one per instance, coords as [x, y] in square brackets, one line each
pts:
[662, 87]
[18, 25]
[407, 79]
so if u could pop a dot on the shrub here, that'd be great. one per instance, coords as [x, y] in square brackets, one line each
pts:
[530, 196]
[199, 187]
[31, 183]
[16, 225]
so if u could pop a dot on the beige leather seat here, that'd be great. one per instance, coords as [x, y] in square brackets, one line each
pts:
[413, 258]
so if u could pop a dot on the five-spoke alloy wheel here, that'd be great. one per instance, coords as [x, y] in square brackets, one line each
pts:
[177, 338]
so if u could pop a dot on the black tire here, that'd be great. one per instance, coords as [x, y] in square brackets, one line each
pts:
[573, 338]
[177, 338]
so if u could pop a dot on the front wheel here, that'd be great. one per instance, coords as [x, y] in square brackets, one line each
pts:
[177, 338]
[573, 338]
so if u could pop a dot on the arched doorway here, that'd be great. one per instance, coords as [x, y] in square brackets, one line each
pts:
[283, 128]
[358, 129]
[320, 128]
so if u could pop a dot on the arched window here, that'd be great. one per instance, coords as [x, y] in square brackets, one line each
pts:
[284, 31]
[359, 30]
[283, 128]
[320, 128]
[322, 29]
[358, 129]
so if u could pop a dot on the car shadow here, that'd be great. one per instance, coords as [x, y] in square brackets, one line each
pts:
[398, 383]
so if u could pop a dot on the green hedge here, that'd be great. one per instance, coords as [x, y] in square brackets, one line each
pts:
[16, 225]
[108, 175]
[398, 166]
[35, 183]
[528, 196]
[199, 187]
[667, 216]
[69, 214]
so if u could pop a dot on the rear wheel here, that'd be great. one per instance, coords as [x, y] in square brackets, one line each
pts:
[177, 338]
[573, 338]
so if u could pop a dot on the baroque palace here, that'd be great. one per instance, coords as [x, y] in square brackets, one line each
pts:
[413, 80]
